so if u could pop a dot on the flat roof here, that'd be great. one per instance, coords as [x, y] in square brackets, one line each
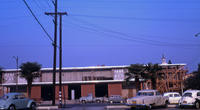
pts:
[178, 64]
[95, 67]
[79, 68]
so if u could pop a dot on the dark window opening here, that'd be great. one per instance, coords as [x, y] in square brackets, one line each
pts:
[47, 92]
[101, 90]
[77, 91]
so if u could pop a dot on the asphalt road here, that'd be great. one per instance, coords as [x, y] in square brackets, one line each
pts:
[113, 107]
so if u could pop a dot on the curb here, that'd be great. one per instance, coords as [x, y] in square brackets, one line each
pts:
[47, 108]
[116, 107]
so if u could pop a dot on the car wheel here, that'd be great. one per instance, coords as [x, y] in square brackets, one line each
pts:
[83, 101]
[98, 101]
[181, 106]
[197, 106]
[166, 104]
[33, 106]
[12, 107]
[149, 107]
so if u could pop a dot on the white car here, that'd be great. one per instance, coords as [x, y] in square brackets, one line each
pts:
[174, 97]
[147, 99]
[190, 98]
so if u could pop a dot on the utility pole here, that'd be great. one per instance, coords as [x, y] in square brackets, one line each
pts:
[55, 47]
[55, 14]
[17, 65]
[60, 65]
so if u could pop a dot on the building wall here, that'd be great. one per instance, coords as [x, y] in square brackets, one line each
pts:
[36, 93]
[114, 89]
[64, 92]
[87, 89]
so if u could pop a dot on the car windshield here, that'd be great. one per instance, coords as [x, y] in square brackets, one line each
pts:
[5, 97]
[187, 95]
[145, 94]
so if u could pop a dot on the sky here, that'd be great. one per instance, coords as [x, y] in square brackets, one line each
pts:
[102, 32]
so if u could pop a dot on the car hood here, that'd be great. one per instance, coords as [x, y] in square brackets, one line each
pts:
[187, 99]
[2, 102]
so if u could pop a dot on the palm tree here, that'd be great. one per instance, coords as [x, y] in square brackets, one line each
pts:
[136, 71]
[152, 70]
[30, 71]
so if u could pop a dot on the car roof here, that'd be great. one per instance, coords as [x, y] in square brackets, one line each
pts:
[171, 93]
[148, 90]
[192, 91]
[13, 93]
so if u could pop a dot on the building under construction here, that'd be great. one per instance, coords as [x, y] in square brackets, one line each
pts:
[169, 79]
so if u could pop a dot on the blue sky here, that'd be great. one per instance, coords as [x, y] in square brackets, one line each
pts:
[102, 32]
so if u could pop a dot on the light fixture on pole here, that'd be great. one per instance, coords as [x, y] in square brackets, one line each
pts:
[17, 66]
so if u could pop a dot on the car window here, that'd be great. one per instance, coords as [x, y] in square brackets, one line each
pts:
[170, 95]
[21, 96]
[15, 97]
[187, 95]
[198, 93]
[158, 93]
[145, 94]
[176, 95]
[5, 97]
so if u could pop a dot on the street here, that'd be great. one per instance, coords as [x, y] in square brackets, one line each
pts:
[112, 107]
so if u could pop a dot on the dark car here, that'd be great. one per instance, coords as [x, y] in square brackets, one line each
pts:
[14, 101]
[116, 99]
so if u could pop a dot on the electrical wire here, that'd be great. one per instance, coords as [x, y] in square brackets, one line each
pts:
[38, 21]
[125, 36]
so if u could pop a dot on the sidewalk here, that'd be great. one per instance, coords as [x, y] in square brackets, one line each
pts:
[47, 105]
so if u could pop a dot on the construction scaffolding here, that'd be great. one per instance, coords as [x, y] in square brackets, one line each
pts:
[170, 78]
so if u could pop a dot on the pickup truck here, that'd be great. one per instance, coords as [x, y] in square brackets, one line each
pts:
[91, 99]
[147, 99]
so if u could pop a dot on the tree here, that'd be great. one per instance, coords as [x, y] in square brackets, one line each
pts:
[136, 71]
[30, 71]
[169, 62]
[193, 81]
[152, 70]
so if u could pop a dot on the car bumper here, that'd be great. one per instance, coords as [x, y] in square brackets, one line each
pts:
[1, 108]
[138, 105]
[186, 104]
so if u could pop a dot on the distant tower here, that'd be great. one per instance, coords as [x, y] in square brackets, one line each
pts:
[163, 60]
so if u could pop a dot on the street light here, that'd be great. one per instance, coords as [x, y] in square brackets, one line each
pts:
[17, 62]
[196, 35]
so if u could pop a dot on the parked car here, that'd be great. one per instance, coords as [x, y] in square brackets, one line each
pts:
[147, 99]
[174, 97]
[14, 101]
[190, 98]
[116, 99]
[86, 99]
[100, 99]
[90, 99]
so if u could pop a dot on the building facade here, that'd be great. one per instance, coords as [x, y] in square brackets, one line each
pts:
[76, 82]
[99, 81]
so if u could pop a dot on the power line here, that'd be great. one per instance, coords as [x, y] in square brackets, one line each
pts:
[38, 21]
[124, 36]
[137, 18]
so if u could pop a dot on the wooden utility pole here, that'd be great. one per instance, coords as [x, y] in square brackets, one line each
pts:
[55, 47]
[60, 55]
[60, 65]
